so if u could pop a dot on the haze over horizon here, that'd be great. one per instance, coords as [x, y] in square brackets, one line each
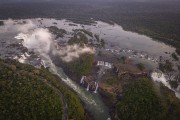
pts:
[89, 0]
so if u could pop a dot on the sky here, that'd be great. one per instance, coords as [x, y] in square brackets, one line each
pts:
[79, 1]
[82, 0]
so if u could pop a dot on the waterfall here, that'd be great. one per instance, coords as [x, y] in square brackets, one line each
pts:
[106, 64]
[95, 83]
[88, 87]
[98, 63]
[97, 86]
[41, 42]
[160, 77]
[82, 80]
[117, 69]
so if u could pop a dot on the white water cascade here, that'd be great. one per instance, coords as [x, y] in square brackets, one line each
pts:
[87, 88]
[40, 41]
[97, 86]
[160, 77]
[82, 79]
[95, 83]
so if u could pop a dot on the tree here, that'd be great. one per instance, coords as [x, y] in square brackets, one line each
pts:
[141, 66]
[30, 93]
[82, 66]
[140, 102]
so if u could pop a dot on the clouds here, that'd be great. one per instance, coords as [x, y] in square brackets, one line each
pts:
[40, 41]
[17, 26]
[70, 52]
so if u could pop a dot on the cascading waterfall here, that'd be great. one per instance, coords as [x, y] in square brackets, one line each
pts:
[97, 86]
[161, 77]
[41, 46]
[92, 101]
[87, 88]
[82, 79]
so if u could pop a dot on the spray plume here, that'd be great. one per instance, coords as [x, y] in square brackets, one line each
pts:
[40, 41]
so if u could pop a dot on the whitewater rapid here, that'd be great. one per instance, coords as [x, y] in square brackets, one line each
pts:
[161, 77]
[40, 42]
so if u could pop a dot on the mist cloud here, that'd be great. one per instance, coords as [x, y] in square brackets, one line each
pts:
[68, 53]
[40, 41]
[17, 26]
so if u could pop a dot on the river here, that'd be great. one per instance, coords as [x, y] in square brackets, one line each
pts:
[16, 35]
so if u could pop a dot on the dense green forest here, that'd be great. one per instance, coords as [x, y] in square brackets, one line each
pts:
[80, 67]
[142, 100]
[30, 93]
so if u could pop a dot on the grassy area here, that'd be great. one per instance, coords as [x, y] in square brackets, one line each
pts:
[26, 94]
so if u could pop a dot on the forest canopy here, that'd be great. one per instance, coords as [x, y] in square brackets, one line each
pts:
[30, 93]
[142, 101]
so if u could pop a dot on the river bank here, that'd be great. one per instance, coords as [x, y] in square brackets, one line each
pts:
[88, 114]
